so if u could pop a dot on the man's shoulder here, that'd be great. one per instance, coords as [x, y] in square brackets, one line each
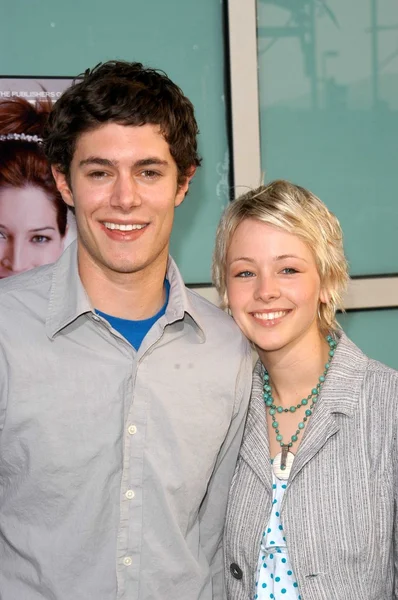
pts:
[19, 289]
[213, 318]
[206, 308]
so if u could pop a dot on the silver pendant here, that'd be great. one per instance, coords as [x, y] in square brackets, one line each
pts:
[284, 458]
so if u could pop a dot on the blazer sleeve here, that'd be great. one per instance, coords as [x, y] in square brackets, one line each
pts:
[214, 506]
[395, 538]
[3, 387]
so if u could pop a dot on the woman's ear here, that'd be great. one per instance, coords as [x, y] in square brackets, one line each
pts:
[324, 295]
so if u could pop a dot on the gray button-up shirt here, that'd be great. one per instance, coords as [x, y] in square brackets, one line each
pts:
[114, 464]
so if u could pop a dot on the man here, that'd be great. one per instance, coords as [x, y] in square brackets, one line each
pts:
[122, 394]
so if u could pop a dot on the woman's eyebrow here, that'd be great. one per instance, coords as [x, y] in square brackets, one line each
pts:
[284, 256]
[245, 258]
[41, 229]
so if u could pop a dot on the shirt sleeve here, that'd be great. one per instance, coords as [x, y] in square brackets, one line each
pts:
[213, 509]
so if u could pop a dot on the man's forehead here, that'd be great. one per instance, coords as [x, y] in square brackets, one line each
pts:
[107, 162]
[113, 128]
[112, 140]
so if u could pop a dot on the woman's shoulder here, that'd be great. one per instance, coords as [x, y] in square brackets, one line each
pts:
[381, 381]
[371, 366]
[376, 383]
[380, 369]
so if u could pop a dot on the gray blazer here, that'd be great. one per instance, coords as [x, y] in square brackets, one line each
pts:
[339, 509]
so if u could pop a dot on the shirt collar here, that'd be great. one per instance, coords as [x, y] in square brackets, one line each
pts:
[344, 381]
[69, 300]
[180, 303]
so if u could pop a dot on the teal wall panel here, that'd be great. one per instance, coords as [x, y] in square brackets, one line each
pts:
[375, 332]
[182, 37]
[328, 75]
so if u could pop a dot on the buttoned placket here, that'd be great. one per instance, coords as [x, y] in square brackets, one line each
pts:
[130, 532]
[127, 567]
[131, 497]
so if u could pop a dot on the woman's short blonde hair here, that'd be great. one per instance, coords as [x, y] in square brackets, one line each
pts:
[294, 210]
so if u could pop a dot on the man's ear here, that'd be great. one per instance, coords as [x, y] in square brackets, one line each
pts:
[183, 187]
[62, 185]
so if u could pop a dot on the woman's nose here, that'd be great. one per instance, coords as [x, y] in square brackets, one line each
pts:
[267, 288]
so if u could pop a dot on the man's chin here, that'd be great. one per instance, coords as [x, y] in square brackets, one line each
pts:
[125, 267]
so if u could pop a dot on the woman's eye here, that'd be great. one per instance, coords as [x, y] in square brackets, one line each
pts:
[40, 239]
[2, 236]
[245, 274]
[289, 271]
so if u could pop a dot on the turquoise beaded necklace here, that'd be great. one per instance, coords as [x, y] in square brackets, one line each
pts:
[310, 400]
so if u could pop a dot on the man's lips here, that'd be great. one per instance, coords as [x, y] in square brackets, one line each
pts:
[120, 226]
[124, 232]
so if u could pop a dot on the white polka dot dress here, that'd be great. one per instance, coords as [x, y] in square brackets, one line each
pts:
[275, 578]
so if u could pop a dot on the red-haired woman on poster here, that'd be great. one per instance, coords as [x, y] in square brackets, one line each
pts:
[33, 217]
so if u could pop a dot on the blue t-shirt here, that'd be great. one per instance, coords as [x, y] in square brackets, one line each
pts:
[135, 331]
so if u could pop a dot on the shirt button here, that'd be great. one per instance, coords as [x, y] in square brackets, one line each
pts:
[96, 318]
[127, 561]
[130, 494]
[236, 571]
[132, 429]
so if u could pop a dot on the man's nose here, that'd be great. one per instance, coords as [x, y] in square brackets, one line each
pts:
[125, 194]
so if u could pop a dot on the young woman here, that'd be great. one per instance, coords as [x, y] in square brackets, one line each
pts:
[313, 500]
[32, 213]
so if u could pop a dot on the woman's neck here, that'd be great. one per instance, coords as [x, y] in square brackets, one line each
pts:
[295, 371]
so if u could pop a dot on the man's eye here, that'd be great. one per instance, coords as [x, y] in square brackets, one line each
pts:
[98, 174]
[40, 239]
[149, 174]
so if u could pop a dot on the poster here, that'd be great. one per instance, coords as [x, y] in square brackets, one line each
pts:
[35, 224]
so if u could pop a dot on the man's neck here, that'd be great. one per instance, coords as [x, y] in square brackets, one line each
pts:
[133, 296]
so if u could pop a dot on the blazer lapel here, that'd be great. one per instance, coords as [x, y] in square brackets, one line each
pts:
[339, 394]
[321, 428]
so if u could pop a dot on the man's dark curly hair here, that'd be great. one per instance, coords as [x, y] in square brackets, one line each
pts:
[128, 94]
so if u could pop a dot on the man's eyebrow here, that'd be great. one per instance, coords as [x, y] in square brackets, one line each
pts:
[97, 160]
[106, 162]
[151, 160]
